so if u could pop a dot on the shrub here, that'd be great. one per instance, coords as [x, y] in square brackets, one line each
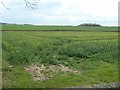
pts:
[89, 24]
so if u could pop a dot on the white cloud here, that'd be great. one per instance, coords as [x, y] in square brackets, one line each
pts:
[89, 7]
[63, 11]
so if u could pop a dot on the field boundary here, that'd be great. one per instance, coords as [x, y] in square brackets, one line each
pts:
[60, 30]
[102, 85]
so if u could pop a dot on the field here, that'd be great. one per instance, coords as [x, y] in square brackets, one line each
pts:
[57, 28]
[55, 59]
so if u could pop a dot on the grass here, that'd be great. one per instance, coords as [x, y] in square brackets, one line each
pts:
[57, 28]
[94, 54]
[85, 79]
[15, 77]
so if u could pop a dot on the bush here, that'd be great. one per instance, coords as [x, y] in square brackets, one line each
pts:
[89, 24]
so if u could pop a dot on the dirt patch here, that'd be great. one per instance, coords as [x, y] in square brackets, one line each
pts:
[42, 72]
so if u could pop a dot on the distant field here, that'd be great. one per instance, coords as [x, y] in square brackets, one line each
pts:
[58, 59]
[72, 28]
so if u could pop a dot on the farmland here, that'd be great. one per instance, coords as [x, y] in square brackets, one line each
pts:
[57, 28]
[66, 58]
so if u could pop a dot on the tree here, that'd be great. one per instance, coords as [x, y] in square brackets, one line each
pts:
[3, 5]
[32, 4]
[90, 24]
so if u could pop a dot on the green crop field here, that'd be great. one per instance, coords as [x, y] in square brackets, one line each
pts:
[56, 59]
[68, 28]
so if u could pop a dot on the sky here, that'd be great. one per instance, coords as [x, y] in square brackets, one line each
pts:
[61, 12]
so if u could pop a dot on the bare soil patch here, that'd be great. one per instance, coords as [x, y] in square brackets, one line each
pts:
[42, 72]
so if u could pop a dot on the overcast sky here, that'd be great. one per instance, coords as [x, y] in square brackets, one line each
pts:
[61, 12]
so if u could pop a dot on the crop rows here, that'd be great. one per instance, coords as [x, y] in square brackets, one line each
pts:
[65, 50]
[93, 54]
